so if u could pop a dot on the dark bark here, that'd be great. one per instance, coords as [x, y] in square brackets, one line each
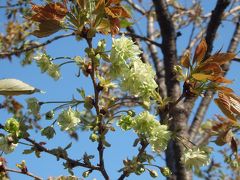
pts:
[177, 124]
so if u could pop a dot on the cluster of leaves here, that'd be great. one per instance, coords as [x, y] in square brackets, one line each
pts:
[84, 17]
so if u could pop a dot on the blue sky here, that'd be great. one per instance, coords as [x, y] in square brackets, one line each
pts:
[65, 89]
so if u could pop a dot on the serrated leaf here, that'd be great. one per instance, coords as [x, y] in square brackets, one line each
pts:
[13, 87]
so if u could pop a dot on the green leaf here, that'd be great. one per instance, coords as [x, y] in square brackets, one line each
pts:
[125, 23]
[81, 92]
[49, 132]
[28, 151]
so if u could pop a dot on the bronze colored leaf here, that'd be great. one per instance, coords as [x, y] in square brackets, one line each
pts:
[224, 89]
[47, 28]
[220, 79]
[200, 51]
[104, 26]
[185, 59]
[235, 105]
[210, 67]
[51, 11]
[221, 58]
[225, 109]
[117, 12]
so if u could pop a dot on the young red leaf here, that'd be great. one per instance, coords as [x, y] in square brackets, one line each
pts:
[200, 51]
[185, 59]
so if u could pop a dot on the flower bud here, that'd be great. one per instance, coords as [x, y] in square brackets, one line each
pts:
[94, 137]
[153, 173]
[166, 171]
[49, 115]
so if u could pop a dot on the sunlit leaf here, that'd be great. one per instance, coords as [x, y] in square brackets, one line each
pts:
[200, 51]
[201, 76]
[12, 87]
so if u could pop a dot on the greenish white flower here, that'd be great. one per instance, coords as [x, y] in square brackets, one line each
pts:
[158, 135]
[6, 144]
[54, 71]
[195, 158]
[123, 49]
[126, 122]
[33, 106]
[69, 119]
[139, 80]
[144, 123]
[135, 76]
[12, 125]
[78, 60]
[159, 138]
[43, 61]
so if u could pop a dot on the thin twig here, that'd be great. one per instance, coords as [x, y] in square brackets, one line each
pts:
[19, 51]
[100, 123]
[27, 173]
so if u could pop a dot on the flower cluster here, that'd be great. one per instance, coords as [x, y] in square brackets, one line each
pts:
[136, 76]
[195, 158]
[69, 119]
[7, 144]
[146, 125]
[45, 64]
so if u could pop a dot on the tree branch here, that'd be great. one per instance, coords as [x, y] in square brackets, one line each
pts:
[73, 162]
[27, 173]
[17, 52]
[156, 61]
[140, 153]
[178, 123]
[101, 127]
